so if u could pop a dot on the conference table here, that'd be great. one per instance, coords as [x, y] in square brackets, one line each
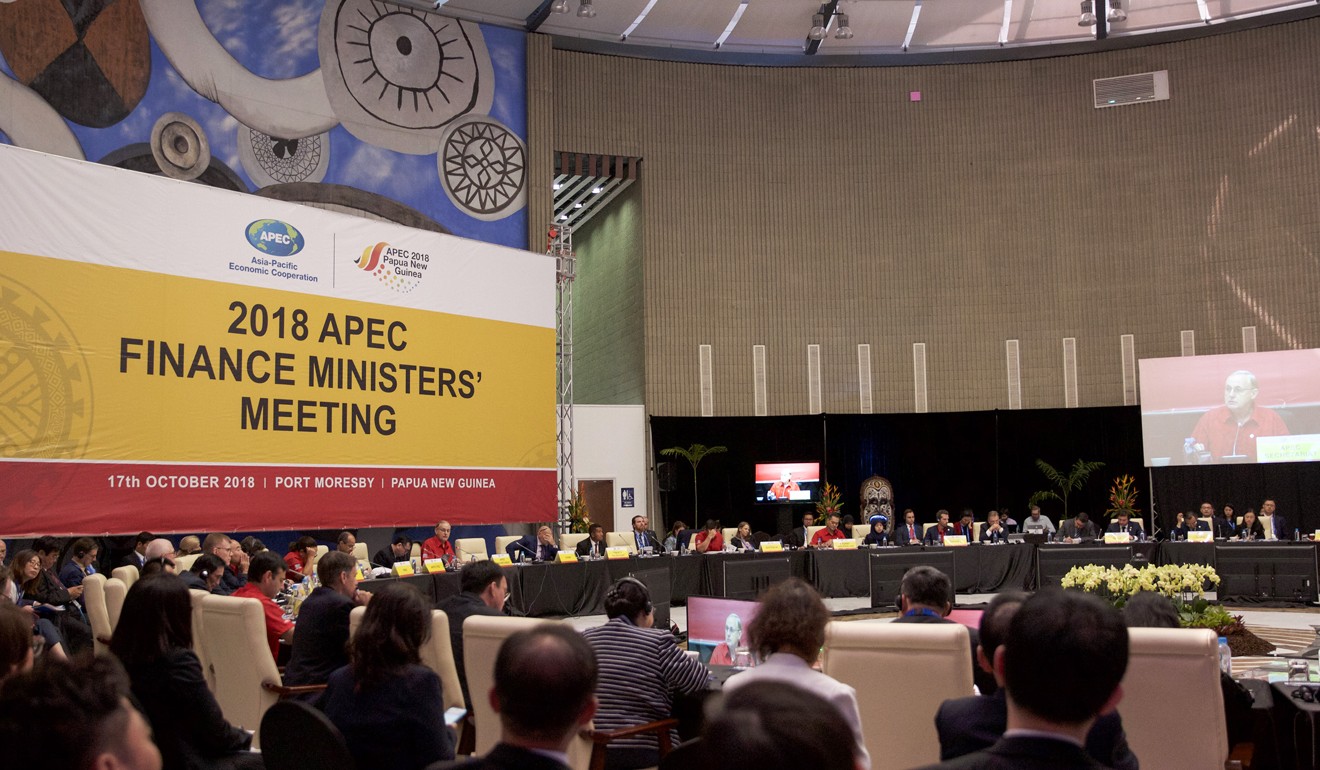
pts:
[1262, 572]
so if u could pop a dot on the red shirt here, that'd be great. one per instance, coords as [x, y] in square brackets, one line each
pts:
[276, 624]
[824, 534]
[716, 541]
[295, 562]
[1218, 431]
[433, 548]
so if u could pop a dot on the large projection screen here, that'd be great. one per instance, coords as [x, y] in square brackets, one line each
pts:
[179, 358]
[1238, 408]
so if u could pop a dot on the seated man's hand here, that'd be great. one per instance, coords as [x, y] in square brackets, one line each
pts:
[76, 591]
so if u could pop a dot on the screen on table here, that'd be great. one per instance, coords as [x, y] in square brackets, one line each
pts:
[1236, 408]
[714, 623]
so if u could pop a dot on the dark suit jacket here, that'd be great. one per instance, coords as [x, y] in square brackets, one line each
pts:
[654, 540]
[1281, 527]
[584, 548]
[397, 723]
[901, 535]
[133, 559]
[503, 757]
[967, 725]
[523, 548]
[385, 557]
[797, 537]
[984, 680]
[185, 718]
[1133, 528]
[1069, 529]
[932, 536]
[1180, 531]
[319, 647]
[459, 608]
[1024, 754]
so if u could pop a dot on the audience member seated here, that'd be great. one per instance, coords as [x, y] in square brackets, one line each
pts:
[389, 706]
[994, 530]
[787, 635]
[1123, 523]
[158, 548]
[74, 716]
[154, 641]
[742, 540]
[974, 723]
[227, 550]
[1008, 522]
[926, 596]
[1051, 708]
[936, 534]
[1036, 524]
[265, 579]
[252, 546]
[879, 534]
[55, 602]
[157, 566]
[440, 547]
[797, 538]
[321, 645]
[644, 536]
[908, 532]
[1251, 528]
[966, 525]
[399, 549]
[138, 557]
[830, 533]
[346, 542]
[593, 545]
[82, 562]
[709, 539]
[1079, 529]
[768, 726]
[16, 649]
[484, 591]
[23, 570]
[640, 669]
[298, 561]
[1220, 524]
[206, 574]
[1190, 523]
[540, 547]
[676, 539]
[545, 680]
[1147, 609]
[189, 545]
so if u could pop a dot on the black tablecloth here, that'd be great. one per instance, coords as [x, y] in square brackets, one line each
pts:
[977, 568]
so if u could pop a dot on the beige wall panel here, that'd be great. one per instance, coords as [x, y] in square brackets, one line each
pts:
[791, 206]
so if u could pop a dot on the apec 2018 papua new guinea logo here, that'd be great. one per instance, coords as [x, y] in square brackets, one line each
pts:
[399, 269]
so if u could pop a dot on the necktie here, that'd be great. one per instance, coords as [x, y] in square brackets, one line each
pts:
[912, 532]
[640, 541]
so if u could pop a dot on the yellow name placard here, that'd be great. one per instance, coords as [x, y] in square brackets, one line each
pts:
[844, 544]
[403, 569]
[772, 546]
[434, 566]
[1200, 536]
[617, 552]
[502, 559]
[567, 557]
[359, 574]
[955, 540]
[1112, 538]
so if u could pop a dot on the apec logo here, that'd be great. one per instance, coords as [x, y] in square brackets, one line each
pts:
[275, 238]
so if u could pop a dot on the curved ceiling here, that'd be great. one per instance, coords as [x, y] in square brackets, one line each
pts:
[777, 31]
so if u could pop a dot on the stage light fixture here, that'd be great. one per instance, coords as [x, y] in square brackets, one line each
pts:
[586, 10]
[844, 32]
[560, 6]
[817, 27]
[1116, 12]
[1088, 14]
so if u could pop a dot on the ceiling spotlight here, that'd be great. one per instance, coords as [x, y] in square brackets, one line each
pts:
[817, 27]
[557, 186]
[586, 10]
[577, 205]
[560, 6]
[844, 32]
[1116, 12]
[597, 190]
[1088, 14]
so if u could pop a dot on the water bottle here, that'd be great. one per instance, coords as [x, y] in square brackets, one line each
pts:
[1225, 657]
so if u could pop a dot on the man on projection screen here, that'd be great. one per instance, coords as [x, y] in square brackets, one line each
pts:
[1229, 432]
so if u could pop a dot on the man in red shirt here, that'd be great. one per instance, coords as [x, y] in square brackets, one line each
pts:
[265, 579]
[439, 547]
[823, 537]
[1231, 430]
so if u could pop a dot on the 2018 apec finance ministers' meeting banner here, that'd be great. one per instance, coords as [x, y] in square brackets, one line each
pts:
[179, 358]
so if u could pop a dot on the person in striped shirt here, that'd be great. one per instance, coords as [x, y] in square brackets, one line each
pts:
[641, 668]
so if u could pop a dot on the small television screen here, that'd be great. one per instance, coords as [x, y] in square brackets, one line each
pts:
[718, 627]
[787, 482]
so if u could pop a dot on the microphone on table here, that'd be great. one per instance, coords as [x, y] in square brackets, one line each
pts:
[519, 543]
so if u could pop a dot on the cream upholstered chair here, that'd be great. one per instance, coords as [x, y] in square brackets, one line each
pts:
[246, 679]
[976, 531]
[860, 531]
[1268, 523]
[360, 551]
[728, 534]
[811, 532]
[97, 612]
[482, 637]
[416, 551]
[1184, 661]
[320, 551]
[199, 636]
[115, 591]
[625, 539]
[926, 528]
[922, 664]
[437, 654]
[465, 548]
[569, 540]
[502, 542]
[184, 563]
[128, 574]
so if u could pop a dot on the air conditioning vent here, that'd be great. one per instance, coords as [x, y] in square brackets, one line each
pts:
[1070, 372]
[813, 380]
[760, 405]
[706, 381]
[1131, 89]
[864, 377]
[1012, 353]
[921, 402]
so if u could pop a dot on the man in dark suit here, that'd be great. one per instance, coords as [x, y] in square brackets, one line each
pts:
[1079, 529]
[484, 591]
[644, 536]
[935, 535]
[545, 683]
[540, 547]
[908, 532]
[320, 646]
[593, 545]
[974, 723]
[137, 557]
[1051, 709]
[1279, 524]
[926, 596]
[1123, 523]
[1190, 523]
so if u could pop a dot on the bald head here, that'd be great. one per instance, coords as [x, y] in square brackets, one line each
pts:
[158, 548]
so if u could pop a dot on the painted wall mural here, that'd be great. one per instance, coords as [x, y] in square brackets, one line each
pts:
[358, 105]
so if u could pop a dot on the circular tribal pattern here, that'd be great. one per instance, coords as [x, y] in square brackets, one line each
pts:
[179, 146]
[483, 168]
[270, 160]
